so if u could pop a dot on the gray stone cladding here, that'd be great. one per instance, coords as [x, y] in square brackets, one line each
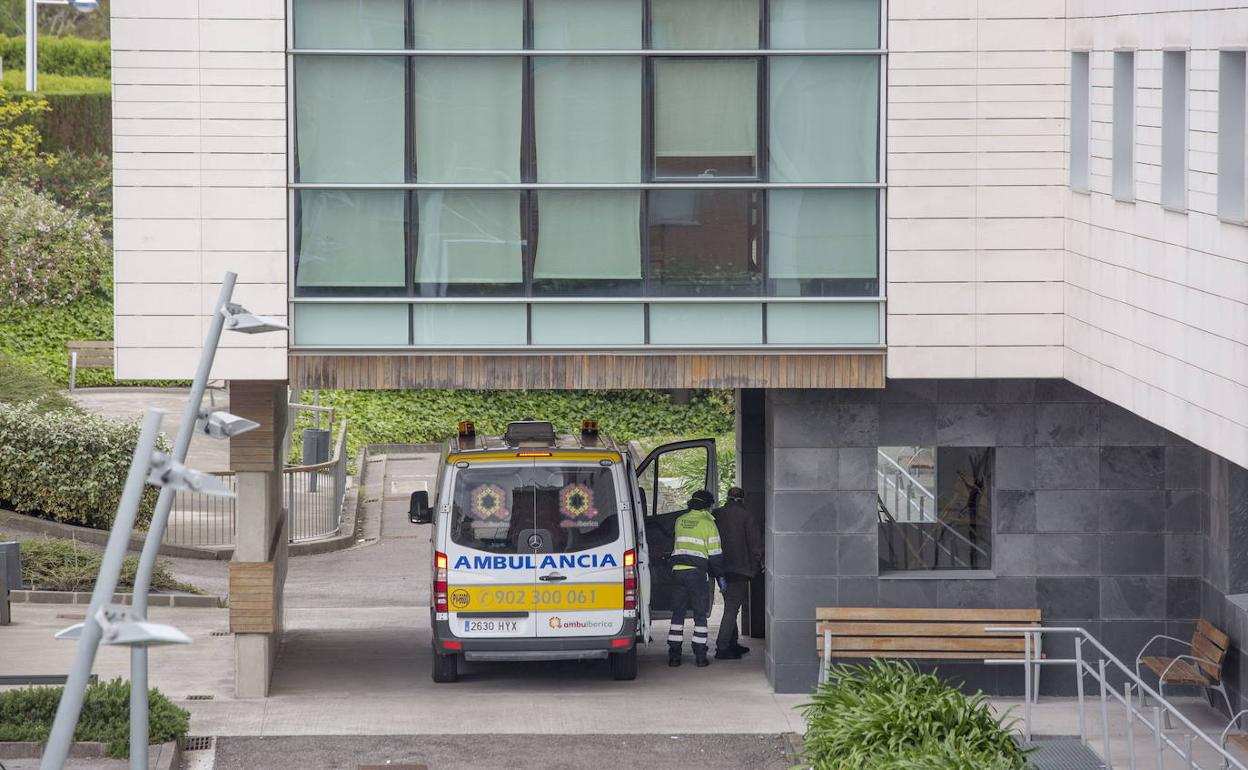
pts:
[1100, 518]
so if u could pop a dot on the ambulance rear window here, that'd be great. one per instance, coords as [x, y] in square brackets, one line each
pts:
[570, 507]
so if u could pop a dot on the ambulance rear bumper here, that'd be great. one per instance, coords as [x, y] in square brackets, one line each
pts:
[537, 648]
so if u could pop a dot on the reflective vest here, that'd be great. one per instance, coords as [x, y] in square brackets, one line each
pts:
[697, 544]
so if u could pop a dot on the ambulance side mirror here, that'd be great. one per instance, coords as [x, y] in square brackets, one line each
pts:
[419, 512]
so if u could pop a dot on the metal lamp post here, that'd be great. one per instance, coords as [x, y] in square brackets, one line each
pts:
[32, 33]
[126, 625]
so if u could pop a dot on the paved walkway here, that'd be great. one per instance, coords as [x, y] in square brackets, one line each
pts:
[206, 454]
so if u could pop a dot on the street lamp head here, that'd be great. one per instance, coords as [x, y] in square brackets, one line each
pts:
[224, 424]
[167, 472]
[84, 6]
[239, 319]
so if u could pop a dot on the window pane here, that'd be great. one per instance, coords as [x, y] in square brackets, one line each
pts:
[468, 119]
[1123, 160]
[588, 241]
[588, 324]
[706, 118]
[450, 324]
[351, 238]
[824, 23]
[468, 237]
[824, 118]
[351, 324]
[586, 24]
[826, 323]
[1079, 122]
[1232, 74]
[349, 24]
[823, 243]
[703, 243]
[1174, 129]
[704, 24]
[459, 24]
[587, 119]
[707, 323]
[349, 118]
[935, 507]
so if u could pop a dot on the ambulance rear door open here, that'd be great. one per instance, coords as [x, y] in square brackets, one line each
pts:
[666, 479]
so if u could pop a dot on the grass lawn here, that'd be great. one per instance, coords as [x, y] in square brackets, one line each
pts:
[15, 80]
[19, 383]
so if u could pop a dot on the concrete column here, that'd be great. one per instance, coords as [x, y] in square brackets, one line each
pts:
[258, 570]
[751, 476]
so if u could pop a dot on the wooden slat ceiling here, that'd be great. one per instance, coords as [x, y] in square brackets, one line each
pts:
[597, 371]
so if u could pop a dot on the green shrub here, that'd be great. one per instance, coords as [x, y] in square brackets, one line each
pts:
[27, 715]
[67, 466]
[19, 384]
[888, 716]
[36, 337]
[57, 564]
[50, 85]
[60, 55]
[48, 255]
[79, 181]
[77, 122]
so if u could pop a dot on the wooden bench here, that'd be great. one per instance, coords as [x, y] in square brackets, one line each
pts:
[1200, 666]
[88, 354]
[923, 634]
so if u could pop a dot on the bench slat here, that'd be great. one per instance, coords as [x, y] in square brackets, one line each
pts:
[910, 629]
[926, 655]
[917, 614]
[918, 643]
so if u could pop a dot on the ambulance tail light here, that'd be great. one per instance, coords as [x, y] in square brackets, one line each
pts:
[439, 582]
[630, 579]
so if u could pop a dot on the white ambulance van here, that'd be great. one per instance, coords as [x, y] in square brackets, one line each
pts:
[553, 547]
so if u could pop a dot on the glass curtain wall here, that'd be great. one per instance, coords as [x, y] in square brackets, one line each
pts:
[585, 173]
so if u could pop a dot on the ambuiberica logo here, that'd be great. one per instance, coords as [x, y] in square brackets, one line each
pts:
[532, 561]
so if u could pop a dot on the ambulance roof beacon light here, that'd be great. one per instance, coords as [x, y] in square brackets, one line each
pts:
[467, 429]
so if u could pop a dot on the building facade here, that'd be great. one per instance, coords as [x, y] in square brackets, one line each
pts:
[979, 270]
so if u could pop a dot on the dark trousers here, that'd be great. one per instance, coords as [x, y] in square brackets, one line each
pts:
[690, 593]
[736, 589]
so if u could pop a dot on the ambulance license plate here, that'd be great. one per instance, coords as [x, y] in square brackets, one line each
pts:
[490, 626]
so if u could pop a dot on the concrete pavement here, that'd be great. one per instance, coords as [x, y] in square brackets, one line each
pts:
[206, 454]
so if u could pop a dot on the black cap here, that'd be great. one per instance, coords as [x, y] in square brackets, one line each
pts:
[736, 493]
[701, 500]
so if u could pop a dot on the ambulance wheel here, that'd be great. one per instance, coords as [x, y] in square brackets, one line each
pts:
[624, 665]
[445, 667]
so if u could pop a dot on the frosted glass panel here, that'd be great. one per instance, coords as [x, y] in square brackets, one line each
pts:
[588, 324]
[351, 324]
[468, 119]
[349, 24]
[349, 117]
[466, 24]
[586, 24]
[706, 118]
[830, 323]
[351, 238]
[824, 23]
[822, 234]
[588, 235]
[587, 114]
[456, 325]
[704, 24]
[1122, 163]
[706, 324]
[1080, 125]
[468, 237]
[825, 118]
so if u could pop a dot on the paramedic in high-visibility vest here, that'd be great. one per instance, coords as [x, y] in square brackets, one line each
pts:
[696, 554]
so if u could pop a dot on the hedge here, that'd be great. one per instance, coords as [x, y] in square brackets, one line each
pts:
[27, 715]
[81, 123]
[49, 256]
[58, 564]
[67, 466]
[60, 55]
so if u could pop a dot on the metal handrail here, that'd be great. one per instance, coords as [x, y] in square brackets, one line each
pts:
[926, 492]
[1161, 741]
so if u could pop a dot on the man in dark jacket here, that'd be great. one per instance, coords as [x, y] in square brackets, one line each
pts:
[742, 541]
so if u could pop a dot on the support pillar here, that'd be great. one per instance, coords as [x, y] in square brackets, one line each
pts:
[258, 570]
[751, 476]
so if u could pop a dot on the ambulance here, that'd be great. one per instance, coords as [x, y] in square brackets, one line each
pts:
[552, 547]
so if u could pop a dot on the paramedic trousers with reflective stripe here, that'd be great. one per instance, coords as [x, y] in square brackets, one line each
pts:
[690, 592]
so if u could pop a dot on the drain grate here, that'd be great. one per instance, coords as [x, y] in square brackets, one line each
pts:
[220, 633]
[199, 697]
[1063, 753]
[198, 743]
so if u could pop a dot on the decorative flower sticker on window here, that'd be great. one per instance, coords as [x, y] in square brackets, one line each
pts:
[489, 501]
[576, 503]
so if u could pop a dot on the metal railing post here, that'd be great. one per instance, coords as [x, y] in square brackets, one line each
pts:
[1105, 711]
[1027, 686]
[1157, 745]
[1126, 692]
[1083, 715]
[73, 369]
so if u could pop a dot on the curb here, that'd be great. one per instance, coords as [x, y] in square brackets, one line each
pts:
[100, 536]
[84, 597]
[161, 756]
